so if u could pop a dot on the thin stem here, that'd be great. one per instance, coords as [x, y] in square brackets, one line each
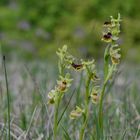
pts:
[86, 107]
[8, 96]
[55, 119]
[58, 98]
[106, 60]
[101, 109]
[100, 113]
[83, 129]
[57, 102]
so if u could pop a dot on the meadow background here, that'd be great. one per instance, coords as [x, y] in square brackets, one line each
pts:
[31, 31]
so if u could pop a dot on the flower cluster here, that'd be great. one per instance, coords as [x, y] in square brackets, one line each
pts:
[92, 79]
[62, 86]
[115, 55]
[92, 74]
[111, 30]
[65, 59]
[111, 36]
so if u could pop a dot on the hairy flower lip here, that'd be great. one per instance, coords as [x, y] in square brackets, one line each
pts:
[107, 23]
[77, 66]
[62, 86]
[95, 77]
[115, 60]
[107, 37]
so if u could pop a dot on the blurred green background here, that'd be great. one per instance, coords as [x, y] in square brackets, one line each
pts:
[35, 29]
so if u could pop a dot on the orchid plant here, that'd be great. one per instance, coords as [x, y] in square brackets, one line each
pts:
[94, 87]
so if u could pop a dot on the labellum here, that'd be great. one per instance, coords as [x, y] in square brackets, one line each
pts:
[94, 97]
[107, 37]
[77, 66]
[62, 86]
[95, 77]
[107, 24]
[115, 60]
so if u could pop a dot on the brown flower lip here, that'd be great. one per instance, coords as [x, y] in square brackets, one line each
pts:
[107, 23]
[62, 86]
[95, 94]
[107, 36]
[115, 60]
[94, 97]
[77, 66]
[95, 76]
[64, 82]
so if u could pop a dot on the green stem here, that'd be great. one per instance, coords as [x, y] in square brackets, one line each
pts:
[101, 109]
[55, 121]
[83, 129]
[101, 100]
[58, 98]
[57, 102]
[86, 108]
[106, 60]
[100, 113]
[8, 97]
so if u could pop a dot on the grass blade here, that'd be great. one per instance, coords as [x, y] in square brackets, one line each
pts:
[66, 107]
[8, 96]
[124, 133]
[66, 135]
[31, 122]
